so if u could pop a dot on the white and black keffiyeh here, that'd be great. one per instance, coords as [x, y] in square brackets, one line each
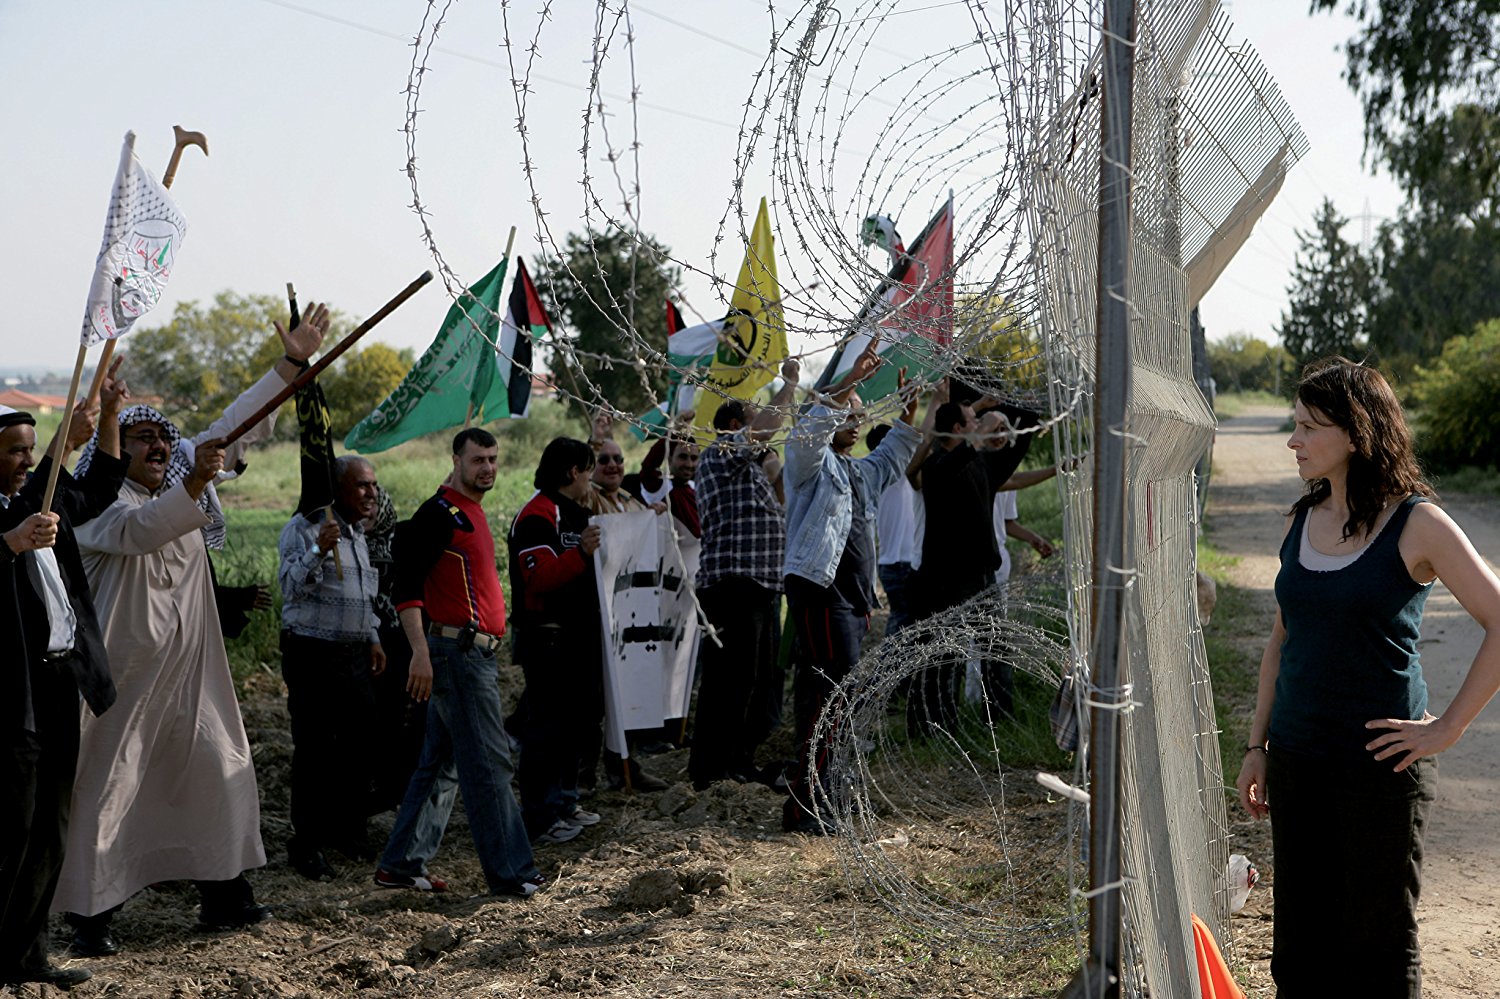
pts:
[179, 466]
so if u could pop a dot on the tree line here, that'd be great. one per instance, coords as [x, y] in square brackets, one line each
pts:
[1423, 300]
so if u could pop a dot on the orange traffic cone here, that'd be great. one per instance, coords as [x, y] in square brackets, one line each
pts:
[1213, 974]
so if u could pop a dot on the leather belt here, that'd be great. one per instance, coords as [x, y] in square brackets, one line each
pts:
[55, 658]
[482, 639]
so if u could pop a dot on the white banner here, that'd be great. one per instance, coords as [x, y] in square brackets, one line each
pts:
[650, 624]
[141, 235]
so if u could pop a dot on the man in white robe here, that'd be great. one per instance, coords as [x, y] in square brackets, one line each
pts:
[166, 786]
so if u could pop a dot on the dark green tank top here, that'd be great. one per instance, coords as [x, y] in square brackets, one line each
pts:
[1350, 654]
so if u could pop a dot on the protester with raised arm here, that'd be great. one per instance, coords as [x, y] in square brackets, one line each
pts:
[739, 587]
[832, 506]
[960, 552]
[166, 785]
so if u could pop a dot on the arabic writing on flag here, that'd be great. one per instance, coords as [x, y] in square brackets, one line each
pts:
[142, 234]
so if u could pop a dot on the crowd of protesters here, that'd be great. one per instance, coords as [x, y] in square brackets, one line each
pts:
[393, 633]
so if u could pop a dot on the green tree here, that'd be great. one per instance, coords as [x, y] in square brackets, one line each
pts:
[1243, 363]
[603, 285]
[1330, 292]
[357, 382]
[203, 358]
[1457, 397]
[1437, 278]
[1416, 65]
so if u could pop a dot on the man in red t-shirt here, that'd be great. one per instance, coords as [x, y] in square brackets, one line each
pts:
[447, 593]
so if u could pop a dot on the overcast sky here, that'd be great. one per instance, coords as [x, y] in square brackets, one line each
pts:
[303, 106]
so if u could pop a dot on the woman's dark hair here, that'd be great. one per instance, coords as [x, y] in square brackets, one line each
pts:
[1383, 464]
[559, 458]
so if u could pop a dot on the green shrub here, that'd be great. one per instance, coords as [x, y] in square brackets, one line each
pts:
[1457, 396]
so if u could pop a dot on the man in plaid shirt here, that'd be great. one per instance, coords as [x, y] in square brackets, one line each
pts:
[739, 587]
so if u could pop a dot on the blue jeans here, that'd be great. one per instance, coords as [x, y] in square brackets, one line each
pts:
[894, 578]
[465, 750]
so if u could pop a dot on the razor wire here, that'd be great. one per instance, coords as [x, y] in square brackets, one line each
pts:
[929, 810]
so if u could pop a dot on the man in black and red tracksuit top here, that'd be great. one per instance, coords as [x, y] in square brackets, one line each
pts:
[448, 596]
[557, 639]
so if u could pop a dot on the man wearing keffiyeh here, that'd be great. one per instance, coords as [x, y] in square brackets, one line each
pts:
[166, 787]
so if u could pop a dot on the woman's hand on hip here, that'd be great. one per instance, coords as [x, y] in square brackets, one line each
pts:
[1410, 740]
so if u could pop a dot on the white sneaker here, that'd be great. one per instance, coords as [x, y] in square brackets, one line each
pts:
[581, 817]
[562, 830]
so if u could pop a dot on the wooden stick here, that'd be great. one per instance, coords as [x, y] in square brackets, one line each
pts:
[105, 356]
[60, 450]
[323, 362]
[338, 560]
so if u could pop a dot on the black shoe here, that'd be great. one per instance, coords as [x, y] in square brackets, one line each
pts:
[313, 866]
[523, 889]
[234, 917]
[94, 941]
[50, 974]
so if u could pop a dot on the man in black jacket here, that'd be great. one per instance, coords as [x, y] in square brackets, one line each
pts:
[47, 614]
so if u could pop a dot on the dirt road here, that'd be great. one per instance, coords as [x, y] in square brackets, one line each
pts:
[1255, 480]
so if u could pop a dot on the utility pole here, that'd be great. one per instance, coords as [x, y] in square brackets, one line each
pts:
[1099, 978]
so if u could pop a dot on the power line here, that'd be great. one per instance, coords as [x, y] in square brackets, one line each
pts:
[495, 63]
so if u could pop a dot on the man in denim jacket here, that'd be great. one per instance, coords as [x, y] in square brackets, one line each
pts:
[832, 500]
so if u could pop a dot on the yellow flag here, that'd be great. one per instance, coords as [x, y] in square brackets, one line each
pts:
[753, 343]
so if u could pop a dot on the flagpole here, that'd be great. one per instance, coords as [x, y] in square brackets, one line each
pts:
[59, 449]
[324, 361]
[509, 242]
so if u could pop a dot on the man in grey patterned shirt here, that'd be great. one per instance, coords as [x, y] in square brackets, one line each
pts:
[330, 649]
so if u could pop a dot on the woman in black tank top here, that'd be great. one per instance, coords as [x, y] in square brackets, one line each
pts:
[1341, 751]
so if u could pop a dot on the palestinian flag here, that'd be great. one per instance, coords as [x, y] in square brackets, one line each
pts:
[688, 347]
[524, 321]
[912, 312]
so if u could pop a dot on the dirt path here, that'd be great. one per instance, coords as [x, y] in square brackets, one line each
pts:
[1254, 482]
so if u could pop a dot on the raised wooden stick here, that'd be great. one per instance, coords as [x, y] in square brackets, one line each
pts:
[323, 362]
[60, 449]
[338, 560]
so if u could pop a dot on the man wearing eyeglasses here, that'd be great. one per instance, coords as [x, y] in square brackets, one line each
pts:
[166, 785]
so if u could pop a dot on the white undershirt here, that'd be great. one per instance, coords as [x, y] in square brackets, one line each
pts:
[1311, 558]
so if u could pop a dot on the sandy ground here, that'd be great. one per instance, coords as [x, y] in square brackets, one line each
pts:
[1255, 481]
